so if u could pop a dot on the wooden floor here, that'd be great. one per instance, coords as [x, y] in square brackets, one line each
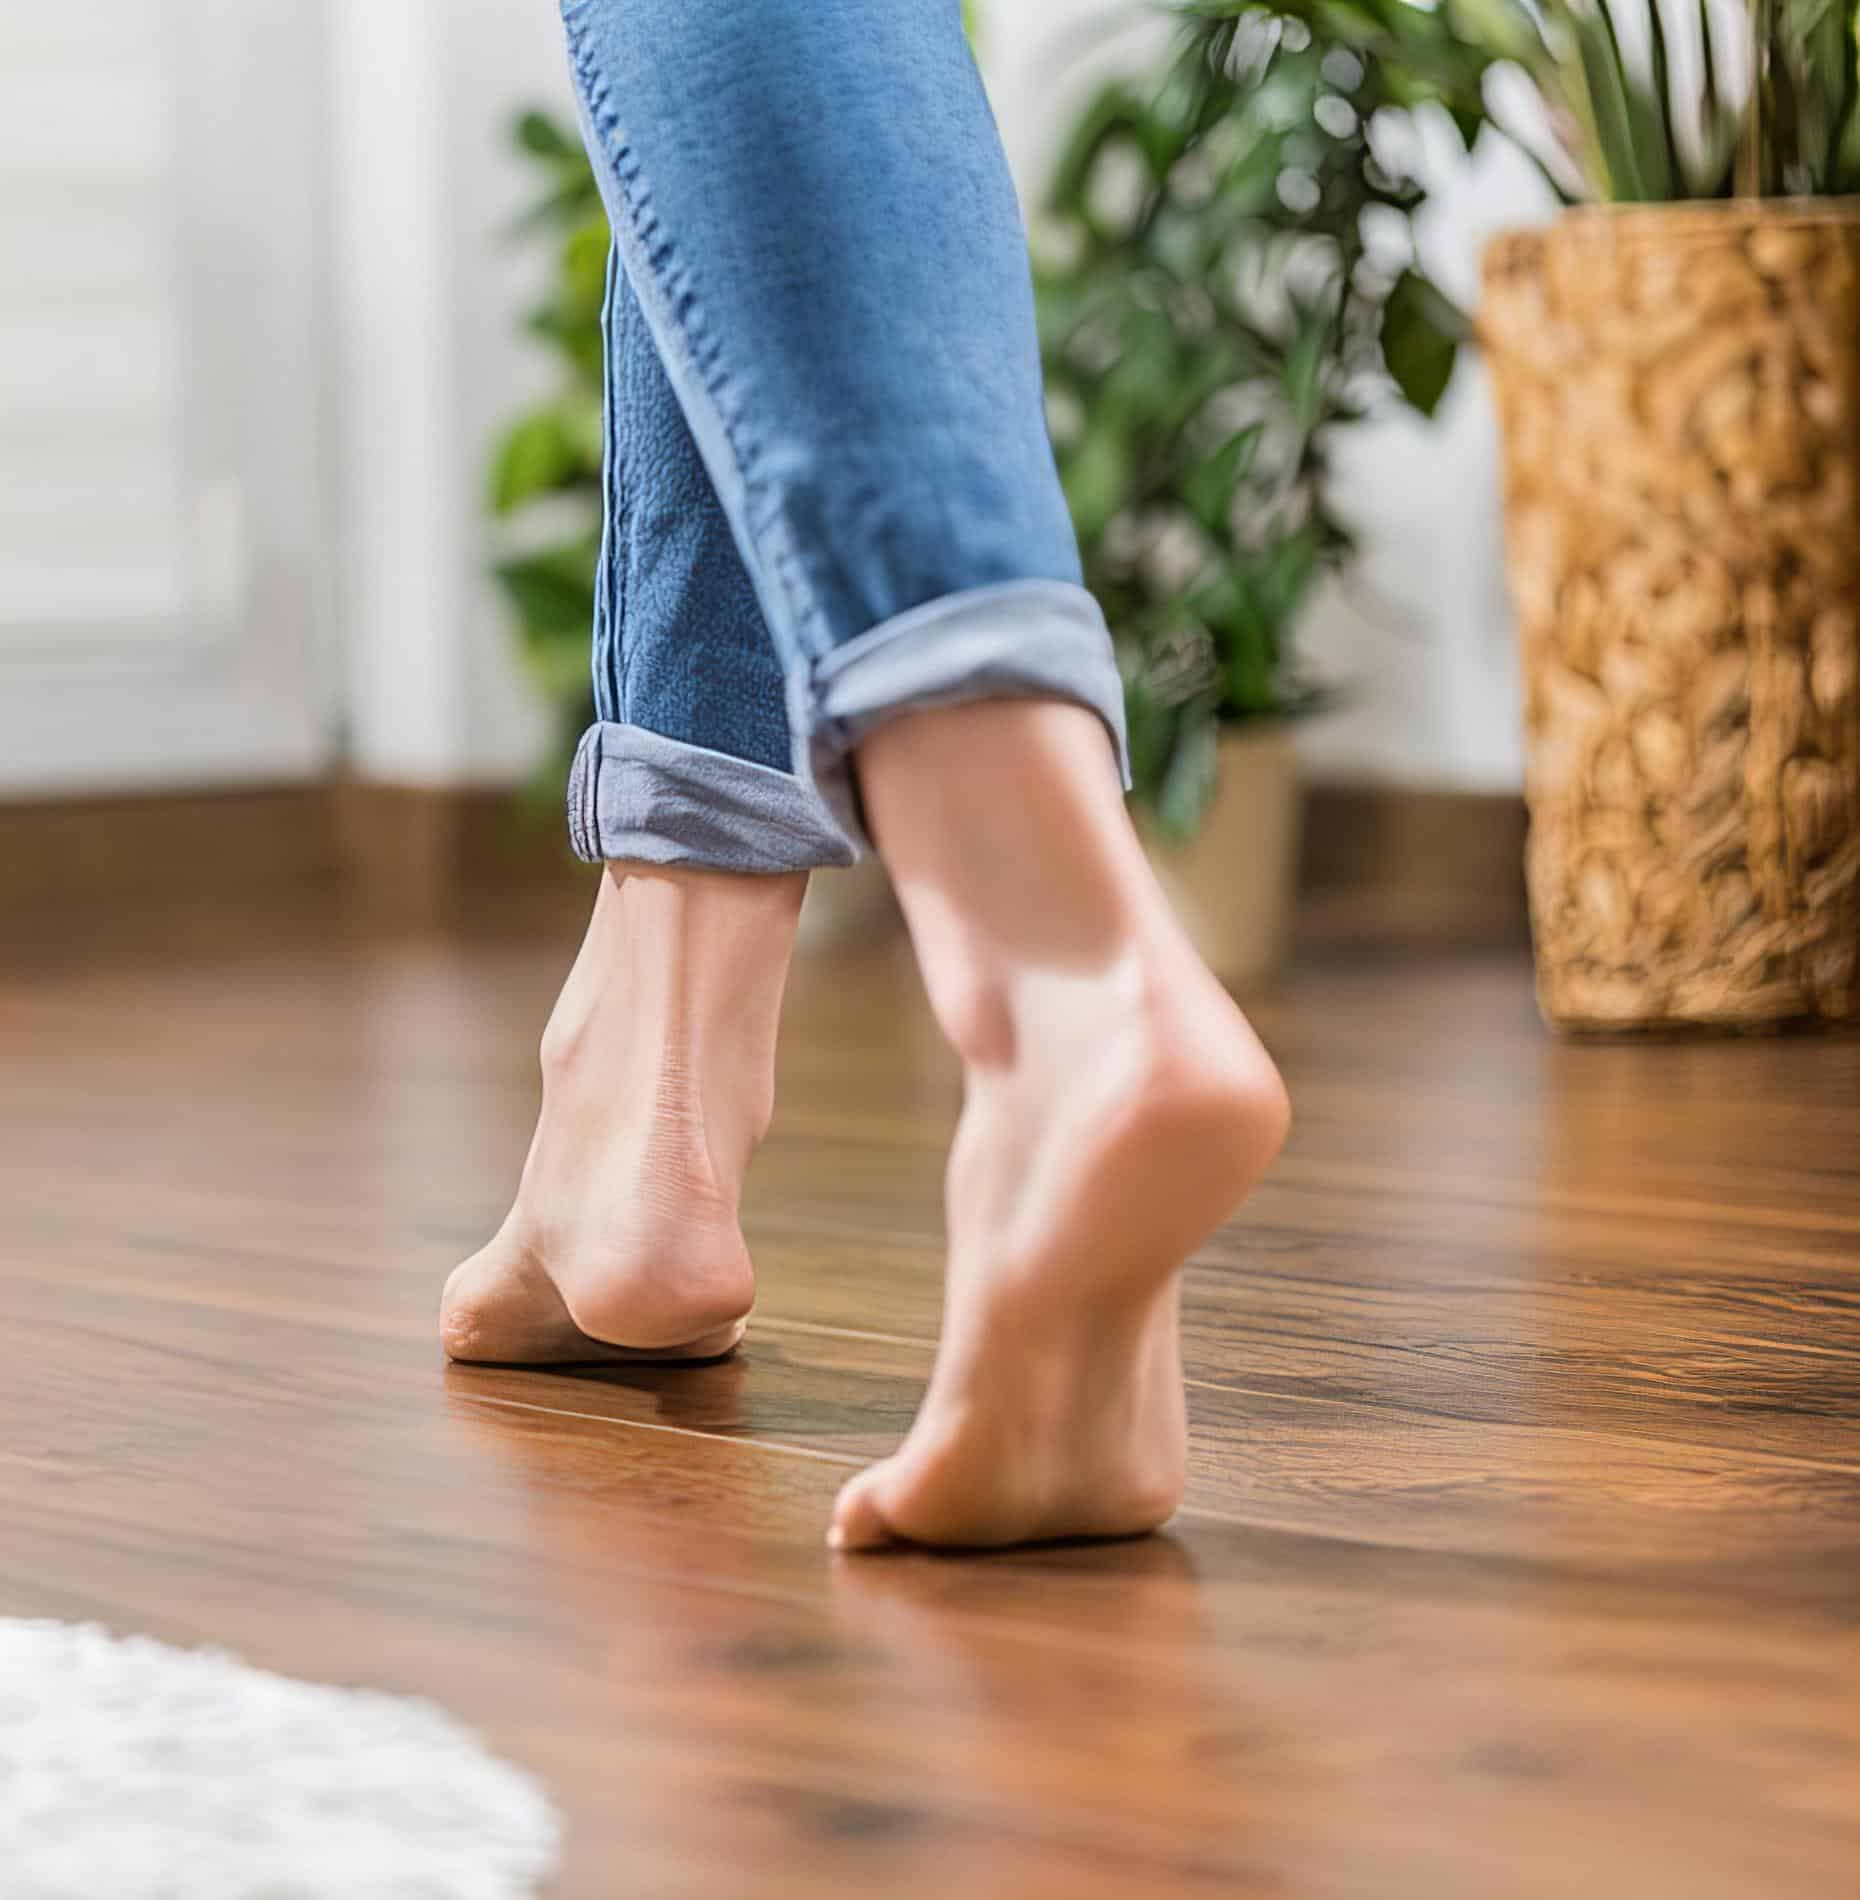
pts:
[1523, 1555]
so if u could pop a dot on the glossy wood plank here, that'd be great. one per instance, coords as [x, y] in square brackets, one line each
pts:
[690, 1590]
[1524, 1536]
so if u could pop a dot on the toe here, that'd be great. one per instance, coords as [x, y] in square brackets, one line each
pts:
[858, 1522]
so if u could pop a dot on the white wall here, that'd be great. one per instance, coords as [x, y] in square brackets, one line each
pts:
[1421, 635]
[502, 56]
[162, 545]
[429, 362]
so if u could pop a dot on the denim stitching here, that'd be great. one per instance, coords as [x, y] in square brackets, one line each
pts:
[609, 646]
[620, 492]
[576, 801]
[704, 353]
[591, 796]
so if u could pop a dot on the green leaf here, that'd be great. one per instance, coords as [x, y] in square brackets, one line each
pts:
[1251, 680]
[568, 203]
[553, 591]
[1647, 112]
[557, 656]
[1237, 610]
[1143, 380]
[584, 263]
[1306, 359]
[544, 452]
[1284, 576]
[1608, 102]
[1420, 340]
[1115, 112]
[1502, 28]
[1188, 781]
[546, 137]
[1848, 179]
[1150, 732]
[1210, 489]
[577, 337]
[1096, 477]
[1249, 186]
[1847, 173]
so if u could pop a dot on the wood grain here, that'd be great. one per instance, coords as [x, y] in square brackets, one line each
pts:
[1522, 1544]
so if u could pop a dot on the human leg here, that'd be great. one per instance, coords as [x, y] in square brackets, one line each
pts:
[814, 209]
[1117, 1107]
[658, 1062]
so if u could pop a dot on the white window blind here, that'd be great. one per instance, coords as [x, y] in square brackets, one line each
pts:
[162, 542]
[95, 527]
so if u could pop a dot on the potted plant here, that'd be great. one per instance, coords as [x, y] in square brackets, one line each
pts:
[1677, 367]
[1678, 375]
[1225, 276]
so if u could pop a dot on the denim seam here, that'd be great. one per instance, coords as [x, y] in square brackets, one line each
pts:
[615, 550]
[584, 776]
[686, 334]
[592, 791]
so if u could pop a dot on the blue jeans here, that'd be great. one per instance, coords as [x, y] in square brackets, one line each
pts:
[830, 493]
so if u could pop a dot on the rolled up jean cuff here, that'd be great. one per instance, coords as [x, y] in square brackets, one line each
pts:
[1034, 639]
[638, 795]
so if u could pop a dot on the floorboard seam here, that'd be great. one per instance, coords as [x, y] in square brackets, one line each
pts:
[1788, 1460]
[650, 1425]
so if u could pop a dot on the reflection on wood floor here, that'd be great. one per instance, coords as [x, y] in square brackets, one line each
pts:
[1523, 1547]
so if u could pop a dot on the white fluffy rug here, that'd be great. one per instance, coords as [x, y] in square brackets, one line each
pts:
[133, 1771]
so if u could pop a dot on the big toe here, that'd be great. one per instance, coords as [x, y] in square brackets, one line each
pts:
[859, 1521]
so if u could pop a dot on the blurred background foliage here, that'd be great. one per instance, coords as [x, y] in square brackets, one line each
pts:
[545, 473]
[1226, 276]
[1628, 101]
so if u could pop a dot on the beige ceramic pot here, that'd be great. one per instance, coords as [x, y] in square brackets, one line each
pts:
[1233, 883]
[1679, 389]
[848, 905]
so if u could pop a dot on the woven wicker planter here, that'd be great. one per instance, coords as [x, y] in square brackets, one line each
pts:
[1679, 389]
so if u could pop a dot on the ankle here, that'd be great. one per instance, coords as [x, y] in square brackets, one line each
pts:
[1003, 826]
[1004, 829]
[674, 1001]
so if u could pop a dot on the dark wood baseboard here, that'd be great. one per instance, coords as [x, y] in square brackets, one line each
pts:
[400, 851]
[1380, 863]
[417, 852]
[1410, 864]
[165, 845]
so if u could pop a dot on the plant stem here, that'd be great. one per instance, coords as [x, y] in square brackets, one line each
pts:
[1749, 178]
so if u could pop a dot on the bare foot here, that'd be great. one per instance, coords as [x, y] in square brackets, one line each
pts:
[658, 1082]
[1117, 1109]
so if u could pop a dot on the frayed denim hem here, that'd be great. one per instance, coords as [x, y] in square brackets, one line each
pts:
[640, 796]
[1037, 639]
